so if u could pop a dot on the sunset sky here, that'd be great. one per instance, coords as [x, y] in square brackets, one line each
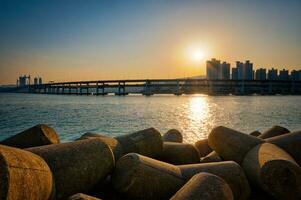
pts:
[93, 39]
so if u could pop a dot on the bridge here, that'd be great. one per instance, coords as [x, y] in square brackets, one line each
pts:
[170, 86]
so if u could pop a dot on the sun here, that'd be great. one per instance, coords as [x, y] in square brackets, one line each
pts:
[198, 55]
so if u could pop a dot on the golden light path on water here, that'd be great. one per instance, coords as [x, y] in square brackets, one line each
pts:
[198, 112]
[197, 116]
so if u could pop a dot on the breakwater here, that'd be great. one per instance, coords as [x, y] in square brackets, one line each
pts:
[149, 165]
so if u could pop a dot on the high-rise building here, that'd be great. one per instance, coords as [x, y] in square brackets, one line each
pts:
[217, 70]
[272, 74]
[248, 73]
[295, 75]
[283, 75]
[234, 73]
[244, 70]
[212, 69]
[224, 71]
[240, 70]
[261, 74]
[23, 81]
[35, 81]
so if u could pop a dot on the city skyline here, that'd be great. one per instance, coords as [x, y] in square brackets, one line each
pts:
[64, 41]
[229, 73]
[222, 70]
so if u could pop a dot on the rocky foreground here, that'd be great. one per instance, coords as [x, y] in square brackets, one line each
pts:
[146, 165]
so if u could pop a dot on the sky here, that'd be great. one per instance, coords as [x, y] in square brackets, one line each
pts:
[93, 39]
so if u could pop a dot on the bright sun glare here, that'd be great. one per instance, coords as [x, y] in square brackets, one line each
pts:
[198, 55]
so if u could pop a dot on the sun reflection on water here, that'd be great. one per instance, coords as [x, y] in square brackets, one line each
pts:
[198, 116]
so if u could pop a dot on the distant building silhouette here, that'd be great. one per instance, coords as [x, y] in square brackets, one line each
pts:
[212, 69]
[295, 75]
[273, 74]
[244, 71]
[234, 73]
[23, 81]
[217, 70]
[240, 70]
[248, 70]
[284, 75]
[224, 71]
[261, 74]
[35, 81]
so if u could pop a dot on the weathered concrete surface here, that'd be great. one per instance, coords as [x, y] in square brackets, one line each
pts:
[204, 186]
[146, 142]
[77, 166]
[230, 171]
[231, 144]
[255, 133]
[90, 135]
[211, 157]
[35, 136]
[203, 147]
[173, 135]
[110, 141]
[24, 175]
[274, 170]
[81, 196]
[291, 143]
[141, 177]
[274, 131]
[179, 153]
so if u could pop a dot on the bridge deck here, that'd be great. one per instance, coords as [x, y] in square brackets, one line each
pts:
[169, 86]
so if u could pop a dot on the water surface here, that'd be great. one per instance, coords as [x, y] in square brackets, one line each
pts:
[194, 115]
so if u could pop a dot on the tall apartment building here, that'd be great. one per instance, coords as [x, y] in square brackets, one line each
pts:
[217, 70]
[224, 71]
[234, 74]
[244, 70]
[273, 74]
[261, 74]
[295, 75]
[212, 69]
[284, 75]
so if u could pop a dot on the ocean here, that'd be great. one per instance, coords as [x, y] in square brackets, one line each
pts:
[194, 115]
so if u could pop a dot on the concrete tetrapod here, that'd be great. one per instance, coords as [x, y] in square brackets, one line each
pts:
[231, 144]
[110, 141]
[275, 171]
[35, 136]
[77, 166]
[203, 147]
[81, 196]
[230, 171]
[255, 133]
[24, 175]
[179, 153]
[274, 131]
[141, 177]
[211, 157]
[291, 143]
[204, 186]
[173, 135]
[146, 142]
